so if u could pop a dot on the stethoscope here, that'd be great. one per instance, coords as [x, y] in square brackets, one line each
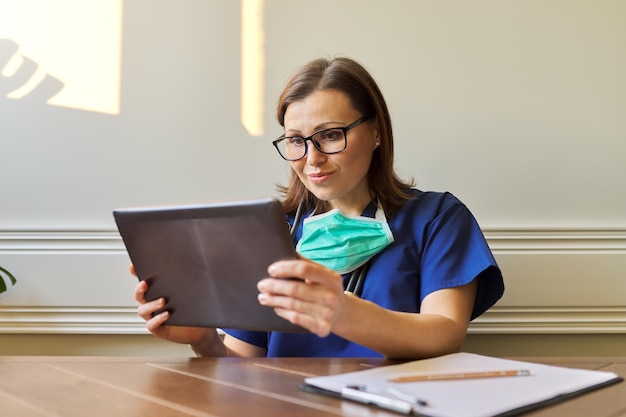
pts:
[356, 278]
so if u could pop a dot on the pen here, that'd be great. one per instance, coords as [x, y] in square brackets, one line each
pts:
[460, 375]
[362, 394]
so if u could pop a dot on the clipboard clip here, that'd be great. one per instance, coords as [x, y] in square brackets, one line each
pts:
[389, 399]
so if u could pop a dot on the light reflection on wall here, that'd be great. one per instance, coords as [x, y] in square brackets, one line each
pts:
[252, 66]
[75, 41]
[79, 43]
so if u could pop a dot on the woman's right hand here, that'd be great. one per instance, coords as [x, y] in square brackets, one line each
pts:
[155, 323]
[204, 341]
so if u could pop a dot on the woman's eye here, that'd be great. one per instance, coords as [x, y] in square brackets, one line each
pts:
[295, 141]
[331, 135]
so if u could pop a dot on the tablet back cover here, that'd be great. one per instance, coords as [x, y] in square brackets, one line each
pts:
[206, 260]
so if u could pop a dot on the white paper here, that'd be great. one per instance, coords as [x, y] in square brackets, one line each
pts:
[479, 397]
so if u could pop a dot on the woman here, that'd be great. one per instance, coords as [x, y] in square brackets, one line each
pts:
[386, 269]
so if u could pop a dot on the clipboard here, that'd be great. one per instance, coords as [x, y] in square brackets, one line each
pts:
[540, 386]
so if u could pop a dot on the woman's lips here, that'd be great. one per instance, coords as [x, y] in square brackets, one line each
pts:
[319, 177]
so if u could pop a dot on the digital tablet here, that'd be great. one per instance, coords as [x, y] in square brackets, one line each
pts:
[206, 260]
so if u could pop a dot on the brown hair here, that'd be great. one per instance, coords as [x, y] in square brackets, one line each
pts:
[352, 79]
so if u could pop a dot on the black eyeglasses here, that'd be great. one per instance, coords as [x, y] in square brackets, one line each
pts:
[328, 141]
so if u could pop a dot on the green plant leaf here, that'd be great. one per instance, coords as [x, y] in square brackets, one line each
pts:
[3, 286]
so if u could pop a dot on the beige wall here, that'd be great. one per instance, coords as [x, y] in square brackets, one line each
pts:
[146, 345]
[517, 107]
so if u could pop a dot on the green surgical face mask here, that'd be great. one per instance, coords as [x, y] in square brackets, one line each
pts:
[343, 243]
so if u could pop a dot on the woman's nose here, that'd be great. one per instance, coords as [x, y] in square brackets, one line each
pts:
[314, 156]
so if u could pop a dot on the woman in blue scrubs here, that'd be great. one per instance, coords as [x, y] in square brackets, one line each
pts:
[386, 269]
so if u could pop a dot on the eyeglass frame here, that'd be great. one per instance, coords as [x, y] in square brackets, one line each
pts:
[344, 129]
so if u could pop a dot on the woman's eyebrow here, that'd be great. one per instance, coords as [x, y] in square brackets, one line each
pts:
[321, 126]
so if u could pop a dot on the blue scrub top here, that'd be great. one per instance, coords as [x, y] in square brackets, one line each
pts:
[437, 244]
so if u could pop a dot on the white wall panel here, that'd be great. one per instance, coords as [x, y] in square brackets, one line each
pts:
[556, 282]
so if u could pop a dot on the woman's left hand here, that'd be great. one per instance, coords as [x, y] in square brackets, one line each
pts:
[304, 293]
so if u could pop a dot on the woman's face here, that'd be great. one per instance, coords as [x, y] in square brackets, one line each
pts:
[341, 178]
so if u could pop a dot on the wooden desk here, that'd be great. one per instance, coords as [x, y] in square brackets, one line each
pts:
[166, 387]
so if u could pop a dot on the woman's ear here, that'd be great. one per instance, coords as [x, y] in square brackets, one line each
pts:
[376, 133]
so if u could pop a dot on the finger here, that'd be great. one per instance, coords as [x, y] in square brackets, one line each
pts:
[290, 289]
[289, 269]
[324, 293]
[155, 324]
[146, 311]
[303, 269]
[293, 288]
[321, 310]
[140, 292]
[131, 268]
[321, 328]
